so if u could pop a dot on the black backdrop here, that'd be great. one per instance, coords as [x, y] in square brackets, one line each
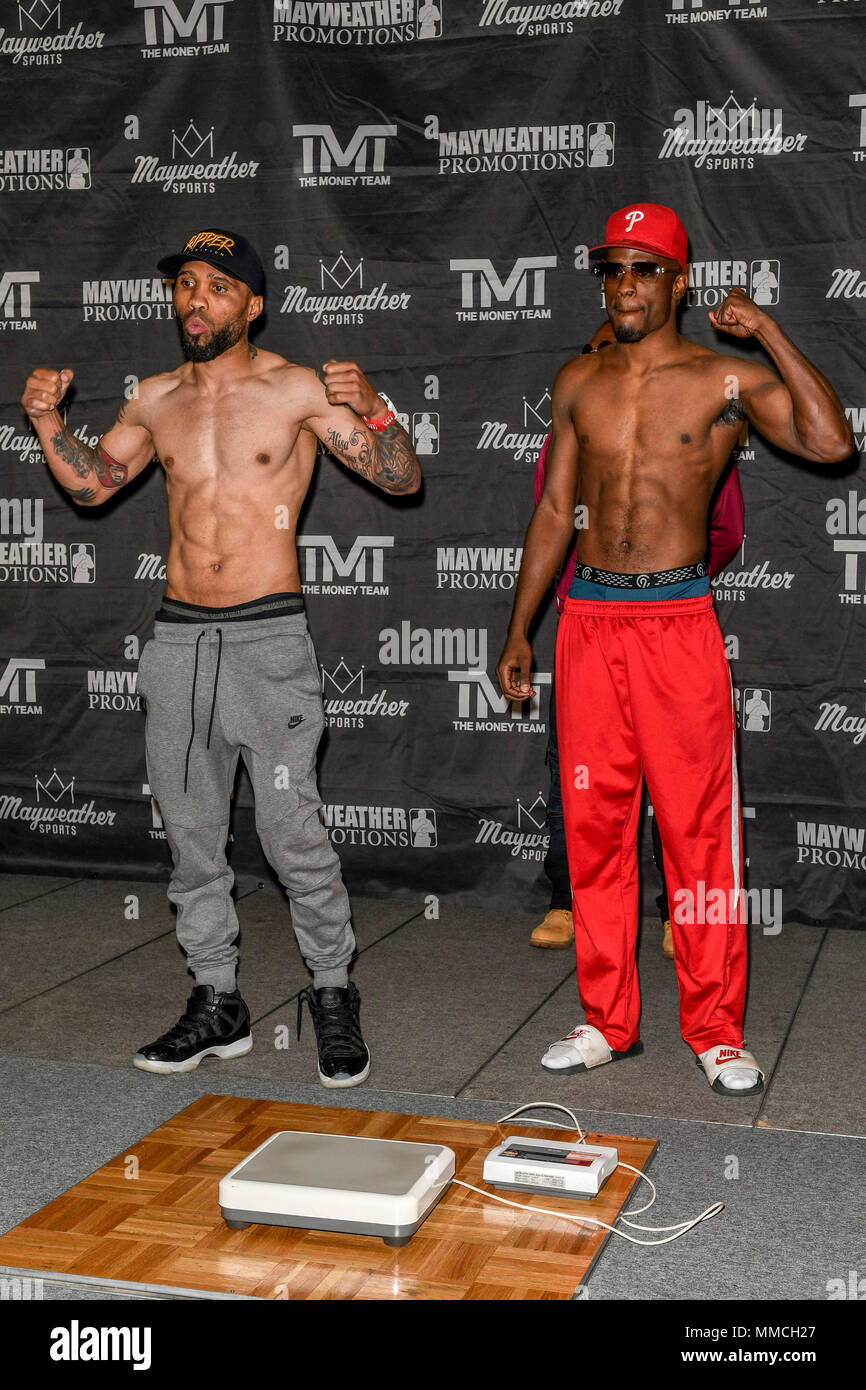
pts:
[422, 181]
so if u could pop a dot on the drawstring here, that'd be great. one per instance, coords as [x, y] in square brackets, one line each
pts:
[202, 634]
[192, 710]
[215, 683]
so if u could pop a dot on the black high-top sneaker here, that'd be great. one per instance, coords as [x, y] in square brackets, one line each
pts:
[343, 1056]
[212, 1025]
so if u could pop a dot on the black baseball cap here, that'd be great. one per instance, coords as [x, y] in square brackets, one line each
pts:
[226, 251]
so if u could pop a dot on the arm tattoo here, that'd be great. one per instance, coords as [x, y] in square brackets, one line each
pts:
[84, 461]
[80, 457]
[386, 458]
[733, 413]
[109, 472]
[81, 494]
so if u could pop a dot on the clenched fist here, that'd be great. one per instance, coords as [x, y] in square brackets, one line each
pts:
[345, 384]
[45, 390]
[738, 315]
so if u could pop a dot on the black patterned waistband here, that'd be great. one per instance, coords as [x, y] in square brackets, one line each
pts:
[655, 580]
[268, 606]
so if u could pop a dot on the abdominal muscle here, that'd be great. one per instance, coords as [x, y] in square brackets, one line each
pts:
[228, 549]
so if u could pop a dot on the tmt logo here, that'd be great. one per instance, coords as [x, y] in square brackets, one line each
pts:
[363, 567]
[489, 701]
[525, 286]
[199, 24]
[20, 676]
[15, 298]
[846, 523]
[857, 100]
[323, 152]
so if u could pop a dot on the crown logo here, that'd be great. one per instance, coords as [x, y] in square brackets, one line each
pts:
[734, 117]
[540, 412]
[342, 273]
[192, 142]
[55, 787]
[342, 679]
[38, 13]
[536, 813]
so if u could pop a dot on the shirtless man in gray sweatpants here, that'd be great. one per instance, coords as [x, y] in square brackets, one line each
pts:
[231, 669]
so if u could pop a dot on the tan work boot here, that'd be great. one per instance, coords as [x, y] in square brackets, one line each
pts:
[668, 942]
[556, 930]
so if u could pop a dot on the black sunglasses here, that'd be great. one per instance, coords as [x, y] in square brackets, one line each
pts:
[641, 270]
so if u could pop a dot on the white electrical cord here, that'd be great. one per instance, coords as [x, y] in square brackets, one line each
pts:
[679, 1229]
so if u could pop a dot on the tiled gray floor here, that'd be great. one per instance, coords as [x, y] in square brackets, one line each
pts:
[437, 998]
[47, 940]
[17, 888]
[105, 1014]
[460, 1006]
[664, 1080]
[820, 1083]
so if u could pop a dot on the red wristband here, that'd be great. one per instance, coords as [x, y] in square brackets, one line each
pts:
[382, 423]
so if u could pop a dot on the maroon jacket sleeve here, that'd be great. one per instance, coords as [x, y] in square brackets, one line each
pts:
[726, 521]
[539, 470]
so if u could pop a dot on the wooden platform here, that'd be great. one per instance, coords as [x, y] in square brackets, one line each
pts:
[151, 1216]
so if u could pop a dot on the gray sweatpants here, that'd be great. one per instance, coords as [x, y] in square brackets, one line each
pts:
[216, 691]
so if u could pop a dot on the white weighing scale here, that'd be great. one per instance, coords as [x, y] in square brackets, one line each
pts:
[337, 1182]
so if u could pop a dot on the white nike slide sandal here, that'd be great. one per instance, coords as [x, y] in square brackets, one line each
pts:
[726, 1065]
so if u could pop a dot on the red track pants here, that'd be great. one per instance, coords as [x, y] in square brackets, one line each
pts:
[644, 687]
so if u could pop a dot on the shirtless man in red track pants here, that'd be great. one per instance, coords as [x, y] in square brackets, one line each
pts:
[641, 433]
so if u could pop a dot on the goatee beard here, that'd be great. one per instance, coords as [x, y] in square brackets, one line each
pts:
[220, 341]
[628, 333]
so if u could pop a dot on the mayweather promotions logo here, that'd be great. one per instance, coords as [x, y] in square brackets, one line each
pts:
[138, 300]
[474, 567]
[31, 171]
[711, 12]
[15, 303]
[485, 295]
[521, 149]
[341, 296]
[729, 136]
[832, 846]
[381, 827]
[710, 281]
[846, 523]
[192, 167]
[357, 23]
[41, 41]
[47, 562]
[328, 164]
[183, 28]
[538, 20]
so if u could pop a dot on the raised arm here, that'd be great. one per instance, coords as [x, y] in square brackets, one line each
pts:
[547, 537]
[384, 456]
[90, 476]
[801, 412]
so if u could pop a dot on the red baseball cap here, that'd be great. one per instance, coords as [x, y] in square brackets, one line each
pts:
[646, 227]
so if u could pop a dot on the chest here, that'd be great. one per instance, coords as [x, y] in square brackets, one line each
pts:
[225, 434]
